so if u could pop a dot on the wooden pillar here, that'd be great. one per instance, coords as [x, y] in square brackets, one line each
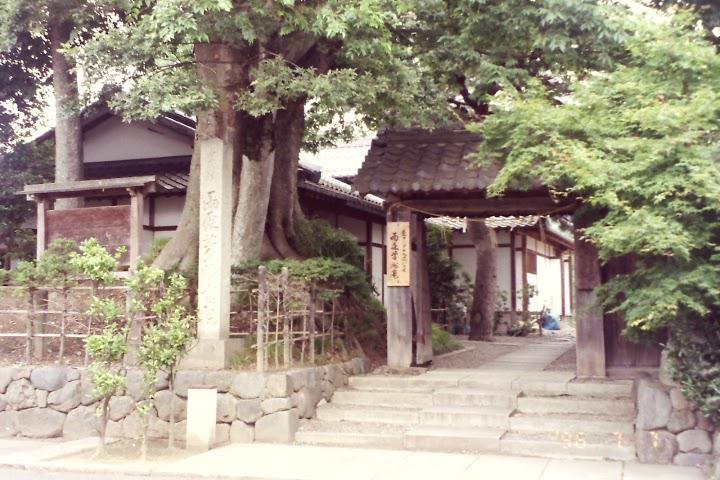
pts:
[42, 206]
[399, 311]
[589, 319]
[420, 281]
[136, 223]
[513, 279]
[525, 292]
[562, 286]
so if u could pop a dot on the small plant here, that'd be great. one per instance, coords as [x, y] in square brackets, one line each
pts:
[59, 273]
[106, 351]
[168, 334]
[442, 341]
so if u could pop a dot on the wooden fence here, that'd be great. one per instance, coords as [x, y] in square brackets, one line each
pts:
[47, 313]
[288, 321]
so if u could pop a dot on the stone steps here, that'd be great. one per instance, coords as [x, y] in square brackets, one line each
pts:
[575, 446]
[571, 422]
[383, 398]
[430, 438]
[417, 383]
[332, 412]
[465, 397]
[488, 417]
[546, 414]
[572, 404]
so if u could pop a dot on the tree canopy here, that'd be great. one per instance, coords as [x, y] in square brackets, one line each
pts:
[639, 146]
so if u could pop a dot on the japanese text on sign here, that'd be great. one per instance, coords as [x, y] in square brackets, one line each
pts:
[398, 254]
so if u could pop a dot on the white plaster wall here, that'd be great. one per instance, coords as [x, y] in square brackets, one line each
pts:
[115, 140]
[377, 234]
[168, 210]
[502, 272]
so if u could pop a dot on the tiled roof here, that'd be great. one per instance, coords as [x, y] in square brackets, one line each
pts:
[421, 161]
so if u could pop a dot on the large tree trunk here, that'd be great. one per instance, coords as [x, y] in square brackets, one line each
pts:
[68, 127]
[258, 161]
[482, 312]
[284, 210]
[218, 66]
[181, 251]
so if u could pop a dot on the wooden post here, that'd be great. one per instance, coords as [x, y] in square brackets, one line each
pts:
[287, 342]
[311, 326]
[136, 223]
[42, 206]
[398, 302]
[420, 284]
[589, 319]
[261, 306]
[513, 279]
[525, 287]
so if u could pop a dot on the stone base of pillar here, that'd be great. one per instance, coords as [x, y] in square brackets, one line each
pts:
[212, 354]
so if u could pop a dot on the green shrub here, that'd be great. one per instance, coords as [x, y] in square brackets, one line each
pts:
[695, 364]
[442, 341]
[317, 238]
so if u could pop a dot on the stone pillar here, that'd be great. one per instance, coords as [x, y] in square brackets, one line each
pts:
[201, 413]
[589, 318]
[214, 348]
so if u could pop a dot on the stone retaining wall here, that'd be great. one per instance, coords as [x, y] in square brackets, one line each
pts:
[669, 429]
[46, 402]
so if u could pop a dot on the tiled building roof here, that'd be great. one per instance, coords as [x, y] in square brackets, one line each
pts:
[412, 161]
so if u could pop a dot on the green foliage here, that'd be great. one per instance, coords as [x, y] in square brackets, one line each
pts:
[639, 145]
[95, 262]
[145, 284]
[166, 339]
[26, 164]
[55, 264]
[317, 238]
[547, 40]
[450, 288]
[442, 341]
[695, 363]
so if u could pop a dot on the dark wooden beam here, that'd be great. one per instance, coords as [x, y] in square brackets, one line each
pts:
[589, 318]
[399, 306]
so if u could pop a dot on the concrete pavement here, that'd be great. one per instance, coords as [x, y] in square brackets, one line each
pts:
[297, 462]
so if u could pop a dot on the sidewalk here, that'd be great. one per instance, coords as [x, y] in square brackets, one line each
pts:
[294, 462]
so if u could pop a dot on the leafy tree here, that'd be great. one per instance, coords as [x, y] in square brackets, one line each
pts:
[106, 351]
[59, 273]
[258, 75]
[707, 10]
[167, 338]
[33, 39]
[26, 164]
[639, 146]
[547, 41]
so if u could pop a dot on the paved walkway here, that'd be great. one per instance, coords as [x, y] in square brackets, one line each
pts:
[297, 462]
[530, 357]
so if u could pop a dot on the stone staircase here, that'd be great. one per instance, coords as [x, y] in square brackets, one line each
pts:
[547, 414]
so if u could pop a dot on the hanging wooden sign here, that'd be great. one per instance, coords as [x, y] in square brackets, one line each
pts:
[398, 254]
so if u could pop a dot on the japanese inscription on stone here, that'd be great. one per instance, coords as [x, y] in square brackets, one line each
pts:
[398, 254]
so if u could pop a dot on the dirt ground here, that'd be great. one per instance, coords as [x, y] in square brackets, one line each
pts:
[125, 451]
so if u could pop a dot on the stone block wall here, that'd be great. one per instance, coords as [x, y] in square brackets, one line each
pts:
[56, 401]
[670, 430]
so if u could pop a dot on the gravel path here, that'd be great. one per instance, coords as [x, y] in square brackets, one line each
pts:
[480, 353]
